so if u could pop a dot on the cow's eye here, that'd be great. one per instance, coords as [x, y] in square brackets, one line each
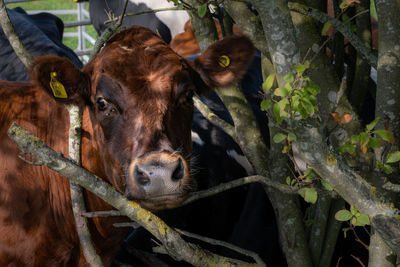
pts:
[101, 103]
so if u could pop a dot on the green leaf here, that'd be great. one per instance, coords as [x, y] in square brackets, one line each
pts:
[345, 231]
[353, 210]
[325, 28]
[279, 137]
[343, 215]
[303, 112]
[362, 220]
[374, 143]
[283, 92]
[343, 4]
[309, 194]
[307, 105]
[379, 164]
[269, 82]
[295, 102]
[283, 105]
[289, 78]
[289, 87]
[372, 125]
[385, 135]
[300, 68]
[347, 147]
[277, 112]
[372, 10]
[312, 88]
[265, 104]
[393, 157]
[355, 139]
[202, 10]
[288, 180]
[326, 185]
[387, 169]
[292, 137]
[364, 139]
[308, 171]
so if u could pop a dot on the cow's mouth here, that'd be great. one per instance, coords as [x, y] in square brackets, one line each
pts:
[168, 201]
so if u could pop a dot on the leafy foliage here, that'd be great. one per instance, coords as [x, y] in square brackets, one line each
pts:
[353, 215]
[297, 97]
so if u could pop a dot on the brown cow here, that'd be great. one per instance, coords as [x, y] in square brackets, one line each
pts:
[136, 96]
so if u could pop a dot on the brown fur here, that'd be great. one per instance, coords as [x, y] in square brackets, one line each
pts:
[144, 114]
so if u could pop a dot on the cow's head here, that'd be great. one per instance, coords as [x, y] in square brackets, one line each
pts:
[139, 96]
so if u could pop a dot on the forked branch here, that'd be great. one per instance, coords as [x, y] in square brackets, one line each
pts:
[173, 243]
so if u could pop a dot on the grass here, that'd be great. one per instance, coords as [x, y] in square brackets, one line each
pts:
[59, 4]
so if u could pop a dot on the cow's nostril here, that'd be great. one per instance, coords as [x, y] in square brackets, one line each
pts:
[179, 171]
[140, 176]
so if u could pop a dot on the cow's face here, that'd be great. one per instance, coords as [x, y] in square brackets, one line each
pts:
[139, 95]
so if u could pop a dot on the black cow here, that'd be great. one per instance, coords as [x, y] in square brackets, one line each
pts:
[40, 34]
[167, 23]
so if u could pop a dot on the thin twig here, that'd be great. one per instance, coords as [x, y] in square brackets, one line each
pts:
[358, 260]
[392, 187]
[223, 187]
[108, 32]
[247, 180]
[76, 191]
[216, 242]
[121, 18]
[214, 119]
[143, 12]
[12, 37]
[358, 238]
[103, 213]
[126, 224]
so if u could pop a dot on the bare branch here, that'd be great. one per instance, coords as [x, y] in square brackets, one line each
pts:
[213, 241]
[12, 37]
[173, 243]
[223, 187]
[77, 199]
[108, 32]
[144, 12]
[214, 119]
[127, 224]
[103, 213]
[247, 180]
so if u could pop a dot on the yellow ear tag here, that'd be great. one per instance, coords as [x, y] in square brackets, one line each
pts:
[224, 61]
[57, 87]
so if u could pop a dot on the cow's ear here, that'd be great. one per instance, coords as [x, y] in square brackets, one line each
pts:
[61, 79]
[226, 61]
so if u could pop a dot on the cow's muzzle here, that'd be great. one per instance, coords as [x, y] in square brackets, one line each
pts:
[160, 178]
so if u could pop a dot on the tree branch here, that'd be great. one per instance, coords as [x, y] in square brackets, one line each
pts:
[214, 119]
[348, 183]
[77, 198]
[108, 32]
[150, 11]
[172, 241]
[212, 241]
[339, 26]
[12, 37]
